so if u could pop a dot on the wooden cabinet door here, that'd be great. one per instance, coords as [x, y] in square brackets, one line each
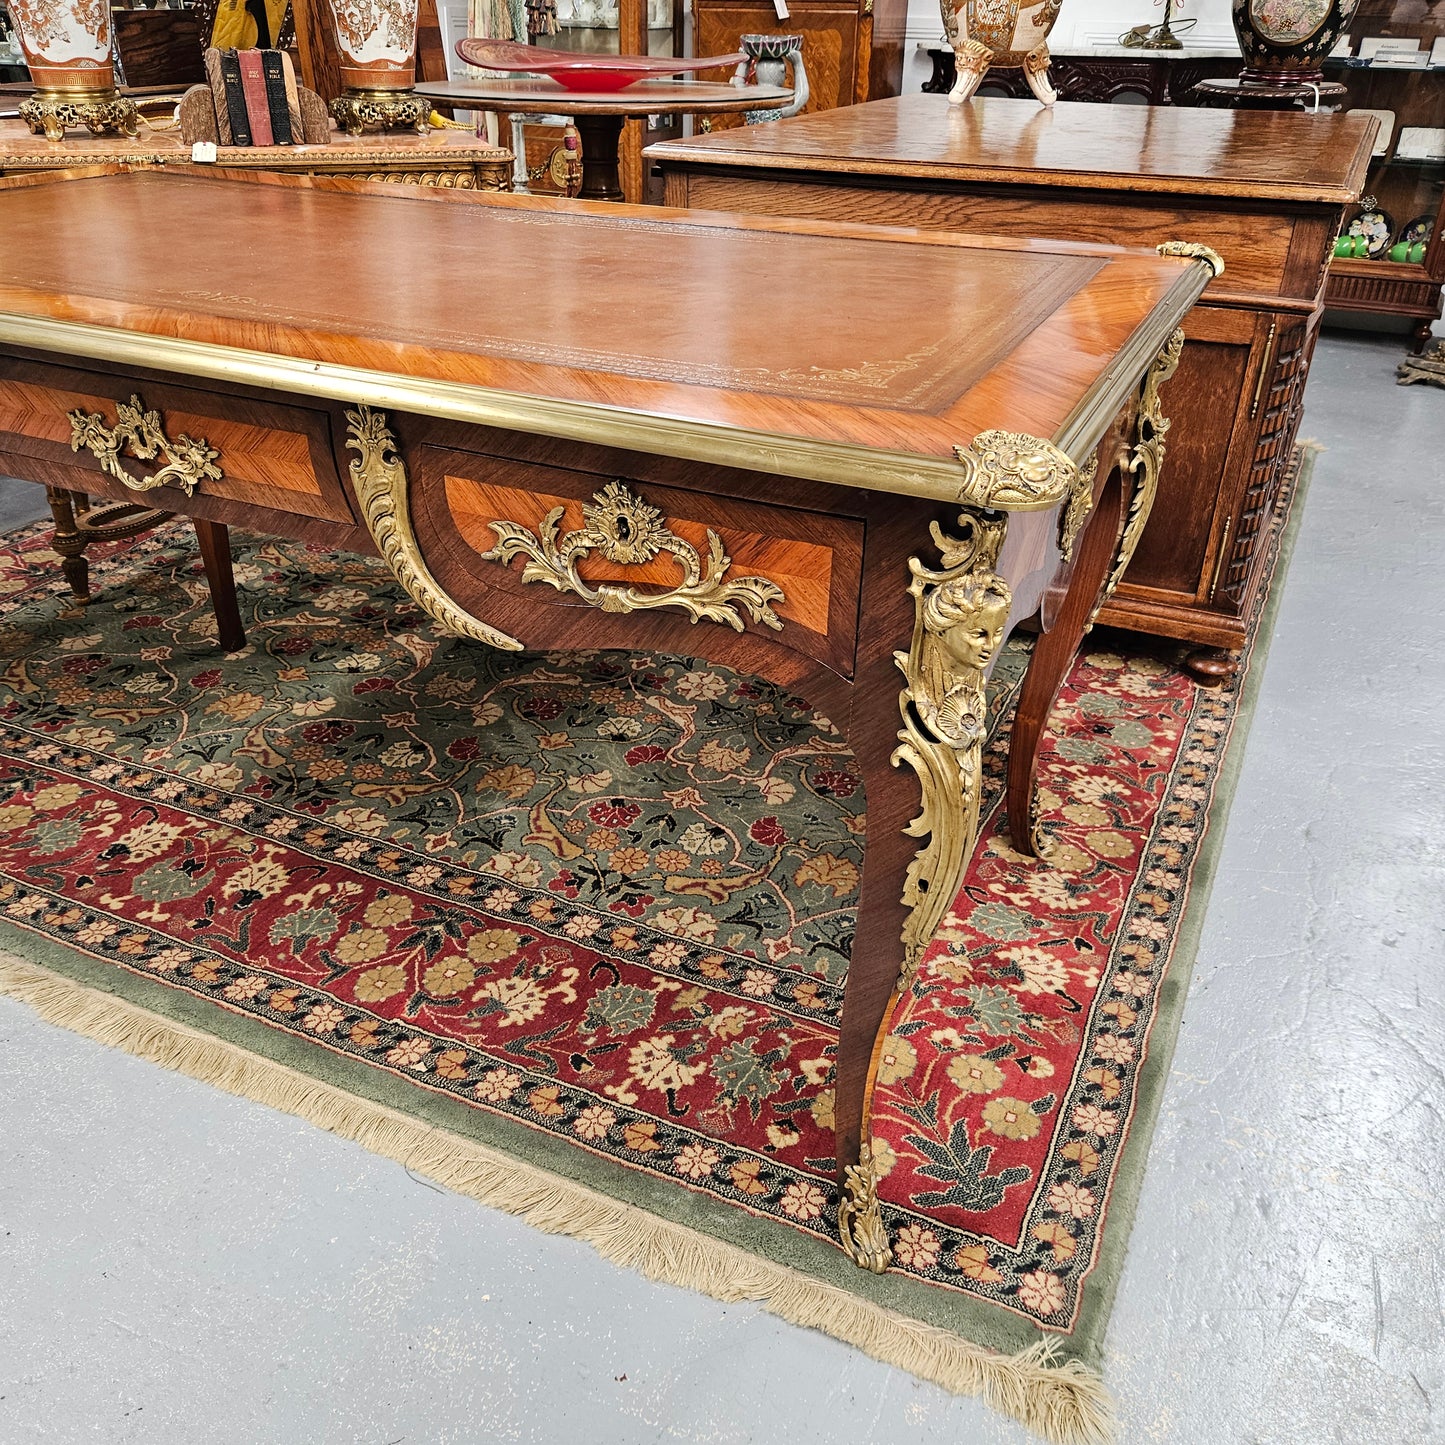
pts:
[1234, 405]
[1206, 442]
[831, 36]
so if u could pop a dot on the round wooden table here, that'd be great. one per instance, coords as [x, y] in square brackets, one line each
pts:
[598, 115]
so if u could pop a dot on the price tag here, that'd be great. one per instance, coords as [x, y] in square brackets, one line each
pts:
[781, 6]
[204, 152]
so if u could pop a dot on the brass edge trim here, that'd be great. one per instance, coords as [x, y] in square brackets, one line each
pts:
[1085, 426]
[1220, 560]
[933, 478]
[1265, 367]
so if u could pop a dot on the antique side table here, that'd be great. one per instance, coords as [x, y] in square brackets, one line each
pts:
[1267, 191]
[599, 115]
[859, 508]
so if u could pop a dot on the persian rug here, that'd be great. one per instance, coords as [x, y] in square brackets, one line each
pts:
[569, 933]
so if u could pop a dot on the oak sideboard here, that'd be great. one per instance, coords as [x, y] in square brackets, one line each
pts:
[1267, 191]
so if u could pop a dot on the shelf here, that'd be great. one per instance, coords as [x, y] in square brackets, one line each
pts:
[1385, 270]
[1407, 163]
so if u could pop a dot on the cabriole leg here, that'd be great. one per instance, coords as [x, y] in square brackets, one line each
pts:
[961, 611]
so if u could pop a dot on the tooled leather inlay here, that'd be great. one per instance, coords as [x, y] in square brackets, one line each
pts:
[866, 322]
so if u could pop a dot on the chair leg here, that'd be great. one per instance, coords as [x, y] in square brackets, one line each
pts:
[215, 543]
[69, 542]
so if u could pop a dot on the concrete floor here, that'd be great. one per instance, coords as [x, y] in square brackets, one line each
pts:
[180, 1267]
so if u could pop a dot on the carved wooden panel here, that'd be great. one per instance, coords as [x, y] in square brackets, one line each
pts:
[1281, 402]
[1407, 296]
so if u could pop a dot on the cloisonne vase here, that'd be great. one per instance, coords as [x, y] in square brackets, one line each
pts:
[377, 44]
[1285, 42]
[1011, 34]
[67, 45]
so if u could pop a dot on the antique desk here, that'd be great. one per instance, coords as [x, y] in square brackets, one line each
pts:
[1268, 192]
[859, 508]
[450, 159]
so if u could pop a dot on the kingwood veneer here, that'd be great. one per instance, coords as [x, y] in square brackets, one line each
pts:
[1266, 191]
[859, 508]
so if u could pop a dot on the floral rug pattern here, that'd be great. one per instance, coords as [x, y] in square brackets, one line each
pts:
[609, 896]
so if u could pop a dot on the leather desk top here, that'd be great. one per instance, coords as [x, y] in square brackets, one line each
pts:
[680, 333]
[1273, 155]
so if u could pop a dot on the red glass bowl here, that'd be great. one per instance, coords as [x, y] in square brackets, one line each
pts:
[584, 72]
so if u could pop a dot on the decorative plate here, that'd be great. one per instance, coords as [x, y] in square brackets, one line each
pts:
[1375, 226]
[574, 71]
[1418, 232]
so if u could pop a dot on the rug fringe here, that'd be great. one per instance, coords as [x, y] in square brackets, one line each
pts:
[1066, 1403]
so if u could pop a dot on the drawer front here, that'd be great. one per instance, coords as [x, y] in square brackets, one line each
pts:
[202, 443]
[622, 545]
[1258, 248]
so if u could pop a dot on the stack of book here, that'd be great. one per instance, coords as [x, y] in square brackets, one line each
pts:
[256, 98]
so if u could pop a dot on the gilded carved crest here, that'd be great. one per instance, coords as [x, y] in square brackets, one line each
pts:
[1015, 472]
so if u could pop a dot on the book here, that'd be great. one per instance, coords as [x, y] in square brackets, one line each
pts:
[276, 102]
[253, 87]
[218, 94]
[235, 99]
[293, 99]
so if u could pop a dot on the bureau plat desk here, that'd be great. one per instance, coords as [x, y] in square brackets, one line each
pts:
[1266, 191]
[859, 508]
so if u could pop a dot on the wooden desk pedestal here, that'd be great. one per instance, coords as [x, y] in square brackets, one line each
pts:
[1267, 192]
[841, 512]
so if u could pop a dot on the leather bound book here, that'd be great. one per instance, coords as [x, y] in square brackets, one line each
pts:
[218, 94]
[253, 86]
[276, 104]
[235, 99]
[293, 99]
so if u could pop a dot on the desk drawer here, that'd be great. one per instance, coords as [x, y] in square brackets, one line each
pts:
[812, 559]
[267, 455]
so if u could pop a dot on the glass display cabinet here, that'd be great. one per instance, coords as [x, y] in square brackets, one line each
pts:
[1390, 259]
